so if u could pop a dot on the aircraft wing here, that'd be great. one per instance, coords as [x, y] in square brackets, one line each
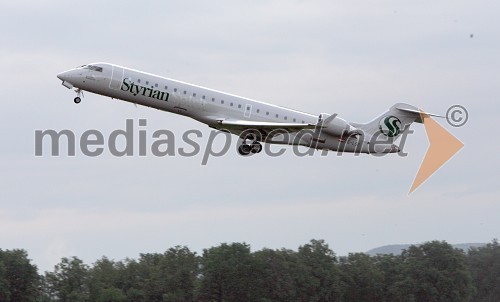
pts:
[238, 126]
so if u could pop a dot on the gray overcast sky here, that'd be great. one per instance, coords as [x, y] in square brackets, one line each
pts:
[354, 58]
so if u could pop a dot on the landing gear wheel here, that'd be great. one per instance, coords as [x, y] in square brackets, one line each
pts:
[256, 148]
[244, 149]
[77, 100]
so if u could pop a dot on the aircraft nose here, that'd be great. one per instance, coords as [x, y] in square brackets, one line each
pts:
[68, 78]
[64, 76]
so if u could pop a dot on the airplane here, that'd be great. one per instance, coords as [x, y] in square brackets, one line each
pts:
[252, 121]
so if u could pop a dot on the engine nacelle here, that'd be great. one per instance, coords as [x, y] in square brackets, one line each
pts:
[337, 126]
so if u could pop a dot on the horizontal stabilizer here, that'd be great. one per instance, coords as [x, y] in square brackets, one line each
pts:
[420, 113]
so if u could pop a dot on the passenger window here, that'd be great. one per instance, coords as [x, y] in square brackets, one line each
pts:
[194, 94]
[203, 97]
[239, 105]
[294, 120]
[222, 101]
[156, 85]
[277, 115]
[175, 89]
[166, 87]
[258, 110]
[267, 112]
[147, 82]
[138, 80]
[213, 99]
[286, 118]
[231, 104]
[185, 91]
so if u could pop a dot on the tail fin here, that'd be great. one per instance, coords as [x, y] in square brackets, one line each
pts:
[393, 122]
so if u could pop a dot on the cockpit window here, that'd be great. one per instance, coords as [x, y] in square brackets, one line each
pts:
[95, 68]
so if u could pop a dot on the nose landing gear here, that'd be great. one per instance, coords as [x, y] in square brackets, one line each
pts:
[77, 99]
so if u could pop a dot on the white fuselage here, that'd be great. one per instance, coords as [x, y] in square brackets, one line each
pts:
[202, 104]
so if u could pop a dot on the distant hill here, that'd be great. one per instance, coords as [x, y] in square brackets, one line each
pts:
[397, 249]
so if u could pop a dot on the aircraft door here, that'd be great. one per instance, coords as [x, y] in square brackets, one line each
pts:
[248, 110]
[116, 79]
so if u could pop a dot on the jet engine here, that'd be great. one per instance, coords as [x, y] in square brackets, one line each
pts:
[336, 126]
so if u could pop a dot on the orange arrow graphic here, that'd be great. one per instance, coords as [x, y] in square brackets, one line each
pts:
[442, 146]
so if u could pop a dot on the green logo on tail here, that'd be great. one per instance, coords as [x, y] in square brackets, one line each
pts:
[390, 126]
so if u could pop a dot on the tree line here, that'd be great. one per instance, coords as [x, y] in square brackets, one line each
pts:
[433, 271]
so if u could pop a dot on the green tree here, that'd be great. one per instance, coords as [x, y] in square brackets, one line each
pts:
[319, 277]
[149, 278]
[19, 279]
[362, 279]
[227, 273]
[178, 272]
[4, 284]
[394, 286]
[170, 276]
[69, 281]
[110, 294]
[484, 264]
[104, 281]
[436, 272]
[276, 274]
[131, 276]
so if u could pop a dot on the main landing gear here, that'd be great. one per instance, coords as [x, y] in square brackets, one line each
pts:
[245, 149]
[254, 147]
[77, 99]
